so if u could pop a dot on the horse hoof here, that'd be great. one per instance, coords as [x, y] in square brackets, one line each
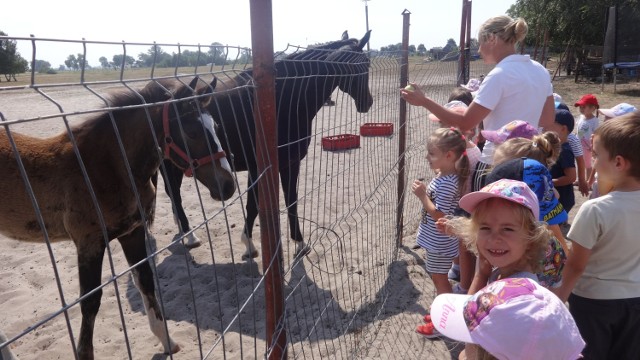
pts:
[174, 349]
[192, 245]
[253, 255]
[190, 241]
[303, 251]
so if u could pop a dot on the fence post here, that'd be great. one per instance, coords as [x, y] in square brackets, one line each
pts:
[268, 187]
[402, 138]
[461, 52]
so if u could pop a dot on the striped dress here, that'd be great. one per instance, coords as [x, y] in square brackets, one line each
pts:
[443, 192]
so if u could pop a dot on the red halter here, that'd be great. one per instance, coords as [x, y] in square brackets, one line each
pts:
[169, 145]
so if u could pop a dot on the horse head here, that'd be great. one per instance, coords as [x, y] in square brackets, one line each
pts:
[191, 142]
[351, 65]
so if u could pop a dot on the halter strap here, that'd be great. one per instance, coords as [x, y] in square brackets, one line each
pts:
[169, 145]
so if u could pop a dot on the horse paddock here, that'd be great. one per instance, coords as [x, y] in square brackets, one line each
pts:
[355, 295]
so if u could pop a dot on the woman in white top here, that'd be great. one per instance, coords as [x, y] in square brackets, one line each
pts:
[518, 88]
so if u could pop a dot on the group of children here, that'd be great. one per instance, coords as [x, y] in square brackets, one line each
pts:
[525, 269]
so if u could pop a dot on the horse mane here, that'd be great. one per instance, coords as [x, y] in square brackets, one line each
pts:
[154, 91]
[314, 52]
[321, 50]
[121, 98]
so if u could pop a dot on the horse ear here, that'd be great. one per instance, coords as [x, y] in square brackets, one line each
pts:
[345, 35]
[364, 40]
[194, 83]
[209, 89]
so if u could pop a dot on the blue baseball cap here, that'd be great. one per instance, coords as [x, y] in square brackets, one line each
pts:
[537, 176]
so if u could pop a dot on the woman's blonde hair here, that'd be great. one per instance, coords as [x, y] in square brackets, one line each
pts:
[452, 139]
[545, 148]
[507, 29]
[538, 235]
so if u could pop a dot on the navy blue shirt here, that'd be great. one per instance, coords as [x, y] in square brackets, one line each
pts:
[566, 160]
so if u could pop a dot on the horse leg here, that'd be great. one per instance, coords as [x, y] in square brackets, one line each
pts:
[133, 246]
[289, 179]
[252, 213]
[172, 183]
[90, 269]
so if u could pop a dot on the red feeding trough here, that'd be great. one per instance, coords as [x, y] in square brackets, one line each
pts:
[376, 129]
[341, 142]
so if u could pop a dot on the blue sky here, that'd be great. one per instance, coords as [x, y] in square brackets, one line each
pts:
[300, 22]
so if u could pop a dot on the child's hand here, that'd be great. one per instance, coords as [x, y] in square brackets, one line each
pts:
[419, 189]
[441, 226]
[584, 187]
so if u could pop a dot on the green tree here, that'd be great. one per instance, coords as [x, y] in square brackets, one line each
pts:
[42, 66]
[580, 22]
[422, 50]
[245, 56]
[217, 54]
[451, 46]
[82, 62]
[154, 56]
[120, 60]
[11, 63]
[71, 62]
[104, 63]
[392, 47]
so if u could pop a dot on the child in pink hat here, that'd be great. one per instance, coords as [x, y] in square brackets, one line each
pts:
[510, 319]
[503, 231]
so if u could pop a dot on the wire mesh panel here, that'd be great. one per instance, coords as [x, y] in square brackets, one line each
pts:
[350, 292]
[77, 120]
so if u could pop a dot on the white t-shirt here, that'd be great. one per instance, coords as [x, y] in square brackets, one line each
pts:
[516, 89]
[585, 129]
[608, 225]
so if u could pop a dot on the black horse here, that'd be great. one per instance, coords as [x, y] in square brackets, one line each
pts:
[304, 81]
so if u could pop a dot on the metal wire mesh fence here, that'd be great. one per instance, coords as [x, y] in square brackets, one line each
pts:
[356, 294]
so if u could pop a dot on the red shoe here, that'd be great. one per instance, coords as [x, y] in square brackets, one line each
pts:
[428, 330]
[427, 318]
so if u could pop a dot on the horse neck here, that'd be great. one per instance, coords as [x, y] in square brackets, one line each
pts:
[306, 81]
[133, 132]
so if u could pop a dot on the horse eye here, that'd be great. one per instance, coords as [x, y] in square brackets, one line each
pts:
[191, 130]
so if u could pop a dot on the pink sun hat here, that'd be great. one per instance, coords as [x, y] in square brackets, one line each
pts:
[511, 190]
[511, 318]
[455, 105]
[473, 85]
[514, 129]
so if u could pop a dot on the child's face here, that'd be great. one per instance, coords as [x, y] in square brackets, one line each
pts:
[588, 110]
[603, 164]
[501, 238]
[437, 158]
[471, 133]
[561, 130]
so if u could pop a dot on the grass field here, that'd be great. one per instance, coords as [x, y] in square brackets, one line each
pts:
[110, 75]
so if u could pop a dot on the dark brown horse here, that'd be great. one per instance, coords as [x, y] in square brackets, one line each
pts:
[96, 183]
[304, 82]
